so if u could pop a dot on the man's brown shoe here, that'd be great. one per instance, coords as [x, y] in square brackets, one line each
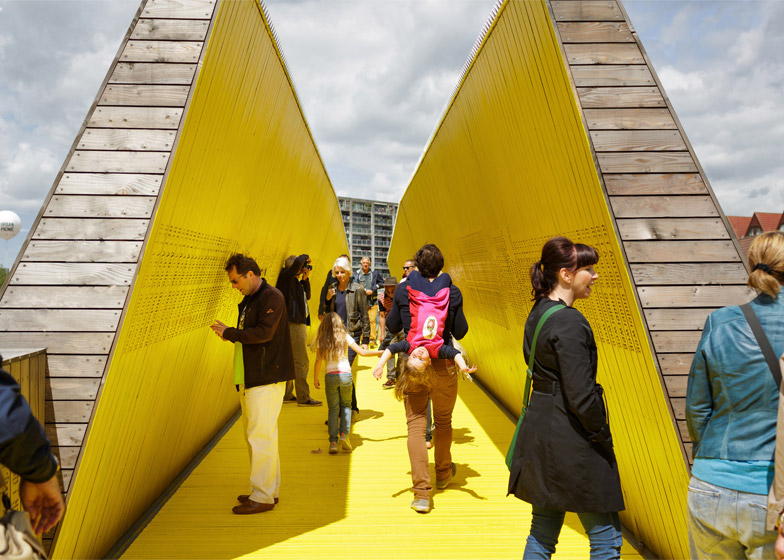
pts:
[249, 506]
[242, 498]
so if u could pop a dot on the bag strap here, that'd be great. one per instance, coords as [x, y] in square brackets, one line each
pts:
[529, 370]
[764, 343]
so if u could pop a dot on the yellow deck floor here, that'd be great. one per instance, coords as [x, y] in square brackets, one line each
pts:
[356, 505]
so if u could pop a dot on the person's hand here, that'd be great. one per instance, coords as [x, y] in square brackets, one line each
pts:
[44, 502]
[779, 550]
[219, 328]
[316, 383]
[466, 373]
[369, 292]
[331, 292]
[377, 371]
[321, 316]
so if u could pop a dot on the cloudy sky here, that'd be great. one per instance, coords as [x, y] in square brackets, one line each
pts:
[374, 76]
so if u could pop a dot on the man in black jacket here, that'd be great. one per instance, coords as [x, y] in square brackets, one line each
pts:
[294, 284]
[25, 450]
[263, 362]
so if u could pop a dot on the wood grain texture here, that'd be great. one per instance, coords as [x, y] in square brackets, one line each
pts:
[127, 184]
[614, 97]
[59, 320]
[637, 140]
[689, 273]
[693, 296]
[65, 434]
[140, 95]
[186, 9]
[675, 364]
[81, 365]
[629, 119]
[92, 229]
[646, 162]
[587, 10]
[69, 411]
[135, 117]
[152, 73]
[170, 30]
[59, 343]
[118, 162]
[72, 388]
[64, 297]
[612, 75]
[595, 32]
[676, 341]
[133, 139]
[603, 53]
[680, 251]
[671, 228]
[83, 206]
[677, 319]
[654, 183]
[73, 274]
[82, 251]
[66, 455]
[679, 407]
[161, 51]
[663, 206]
[676, 385]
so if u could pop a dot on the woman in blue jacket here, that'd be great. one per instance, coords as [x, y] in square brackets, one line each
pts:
[731, 407]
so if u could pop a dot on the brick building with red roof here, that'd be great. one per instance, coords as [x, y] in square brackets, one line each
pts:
[747, 228]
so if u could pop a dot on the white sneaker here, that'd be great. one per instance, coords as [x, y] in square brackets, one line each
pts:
[421, 505]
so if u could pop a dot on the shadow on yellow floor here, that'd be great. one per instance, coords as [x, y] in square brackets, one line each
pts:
[356, 505]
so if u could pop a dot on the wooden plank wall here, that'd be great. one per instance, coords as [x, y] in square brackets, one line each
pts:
[681, 255]
[71, 281]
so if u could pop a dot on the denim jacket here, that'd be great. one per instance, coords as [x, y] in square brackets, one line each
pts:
[732, 399]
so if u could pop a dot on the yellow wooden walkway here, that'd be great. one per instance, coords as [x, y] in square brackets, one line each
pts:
[356, 505]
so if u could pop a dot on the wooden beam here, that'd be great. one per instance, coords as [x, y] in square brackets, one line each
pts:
[59, 320]
[654, 183]
[663, 206]
[676, 385]
[676, 341]
[83, 206]
[59, 343]
[693, 296]
[152, 73]
[614, 97]
[612, 75]
[72, 388]
[135, 117]
[91, 229]
[689, 273]
[170, 30]
[671, 228]
[677, 319]
[587, 10]
[646, 162]
[629, 119]
[680, 251]
[190, 9]
[82, 365]
[141, 95]
[161, 51]
[603, 53]
[64, 297]
[69, 411]
[73, 274]
[82, 251]
[675, 364]
[127, 139]
[65, 434]
[637, 140]
[127, 184]
[595, 32]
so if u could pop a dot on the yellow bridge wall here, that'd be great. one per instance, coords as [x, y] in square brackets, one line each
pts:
[510, 166]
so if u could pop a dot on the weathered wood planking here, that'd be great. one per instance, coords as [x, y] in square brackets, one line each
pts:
[82, 365]
[603, 53]
[136, 117]
[629, 119]
[595, 32]
[140, 140]
[105, 183]
[170, 30]
[67, 456]
[637, 140]
[92, 229]
[677, 319]
[84, 206]
[654, 183]
[72, 388]
[693, 296]
[684, 431]
[152, 73]
[59, 320]
[676, 341]
[679, 407]
[671, 228]
[64, 297]
[185, 9]
[587, 10]
[611, 75]
[60, 343]
[161, 51]
[73, 274]
[65, 434]
[118, 162]
[646, 162]
[676, 385]
[675, 364]
[680, 251]
[69, 411]
[689, 273]
[144, 96]
[612, 97]
[663, 206]
[82, 251]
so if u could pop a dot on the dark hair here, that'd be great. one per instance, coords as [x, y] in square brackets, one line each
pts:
[429, 261]
[558, 253]
[242, 264]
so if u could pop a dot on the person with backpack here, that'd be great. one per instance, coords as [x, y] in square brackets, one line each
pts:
[433, 325]
[563, 457]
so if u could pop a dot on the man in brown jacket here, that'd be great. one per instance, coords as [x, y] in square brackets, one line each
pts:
[263, 362]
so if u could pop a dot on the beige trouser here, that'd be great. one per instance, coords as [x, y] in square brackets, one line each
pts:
[372, 313]
[299, 346]
[260, 409]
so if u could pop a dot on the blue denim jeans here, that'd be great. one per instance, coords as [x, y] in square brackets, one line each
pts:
[603, 530]
[726, 523]
[337, 387]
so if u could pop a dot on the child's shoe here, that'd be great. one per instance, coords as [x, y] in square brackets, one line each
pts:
[344, 443]
[421, 505]
[333, 447]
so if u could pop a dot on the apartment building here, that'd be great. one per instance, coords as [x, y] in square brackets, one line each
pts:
[368, 226]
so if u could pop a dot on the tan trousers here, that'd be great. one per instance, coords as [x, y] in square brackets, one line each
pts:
[372, 313]
[299, 347]
[260, 409]
[443, 395]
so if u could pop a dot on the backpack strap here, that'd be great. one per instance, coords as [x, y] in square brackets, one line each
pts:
[530, 369]
[764, 343]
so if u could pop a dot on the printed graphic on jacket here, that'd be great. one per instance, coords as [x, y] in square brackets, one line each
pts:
[428, 315]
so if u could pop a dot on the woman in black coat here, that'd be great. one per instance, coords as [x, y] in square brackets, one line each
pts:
[564, 459]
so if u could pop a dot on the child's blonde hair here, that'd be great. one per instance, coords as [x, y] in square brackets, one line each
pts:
[766, 259]
[331, 343]
[413, 380]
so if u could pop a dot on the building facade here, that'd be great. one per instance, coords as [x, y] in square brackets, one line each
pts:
[369, 225]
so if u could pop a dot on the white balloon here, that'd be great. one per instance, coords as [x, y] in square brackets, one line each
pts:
[10, 224]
